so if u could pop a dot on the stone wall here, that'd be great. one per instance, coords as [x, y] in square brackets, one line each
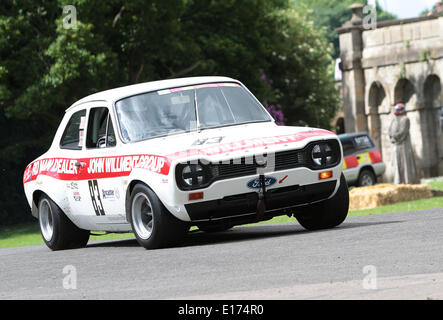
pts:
[401, 61]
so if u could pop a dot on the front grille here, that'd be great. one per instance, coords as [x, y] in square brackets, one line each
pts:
[291, 159]
[235, 169]
[247, 166]
[243, 167]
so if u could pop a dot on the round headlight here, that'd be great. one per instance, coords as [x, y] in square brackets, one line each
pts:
[322, 154]
[193, 175]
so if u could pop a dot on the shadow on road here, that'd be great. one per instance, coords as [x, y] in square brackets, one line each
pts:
[245, 233]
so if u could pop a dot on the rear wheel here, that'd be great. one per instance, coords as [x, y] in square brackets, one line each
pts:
[57, 230]
[366, 178]
[329, 213]
[153, 225]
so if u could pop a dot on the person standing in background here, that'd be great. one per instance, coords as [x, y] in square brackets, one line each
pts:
[403, 157]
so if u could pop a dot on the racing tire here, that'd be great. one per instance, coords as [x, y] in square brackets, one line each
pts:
[366, 178]
[329, 213]
[153, 225]
[58, 232]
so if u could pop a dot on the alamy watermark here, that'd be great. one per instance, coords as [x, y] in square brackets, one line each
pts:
[370, 17]
[70, 279]
[70, 20]
[370, 279]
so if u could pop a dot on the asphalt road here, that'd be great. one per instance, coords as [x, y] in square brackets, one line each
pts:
[387, 256]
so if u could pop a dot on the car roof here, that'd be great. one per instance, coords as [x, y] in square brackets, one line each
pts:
[126, 91]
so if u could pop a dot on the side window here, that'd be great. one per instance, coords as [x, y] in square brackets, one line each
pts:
[110, 135]
[72, 137]
[363, 142]
[348, 147]
[100, 130]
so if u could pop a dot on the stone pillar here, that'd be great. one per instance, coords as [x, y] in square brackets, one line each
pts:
[351, 47]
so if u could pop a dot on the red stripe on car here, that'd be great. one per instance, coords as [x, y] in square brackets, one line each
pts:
[95, 168]
[120, 166]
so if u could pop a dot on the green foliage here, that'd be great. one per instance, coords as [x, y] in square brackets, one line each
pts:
[436, 184]
[44, 68]
[383, 15]
[332, 14]
[425, 55]
[302, 71]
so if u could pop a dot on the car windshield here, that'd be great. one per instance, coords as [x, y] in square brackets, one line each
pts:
[170, 111]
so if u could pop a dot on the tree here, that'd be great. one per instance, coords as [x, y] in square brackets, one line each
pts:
[332, 14]
[383, 15]
[25, 32]
[44, 68]
[301, 69]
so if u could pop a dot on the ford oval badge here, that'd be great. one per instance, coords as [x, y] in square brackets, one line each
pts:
[255, 183]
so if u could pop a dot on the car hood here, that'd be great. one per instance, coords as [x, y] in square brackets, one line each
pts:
[232, 141]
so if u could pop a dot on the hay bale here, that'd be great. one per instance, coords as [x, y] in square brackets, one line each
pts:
[385, 194]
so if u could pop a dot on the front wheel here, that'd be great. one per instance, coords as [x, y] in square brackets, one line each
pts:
[57, 230]
[153, 225]
[329, 213]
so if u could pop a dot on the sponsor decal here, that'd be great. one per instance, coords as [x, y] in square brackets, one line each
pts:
[112, 194]
[199, 142]
[76, 196]
[248, 144]
[74, 186]
[284, 178]
[255, 183]
[95, 168]
[108, 194]
[125, 164]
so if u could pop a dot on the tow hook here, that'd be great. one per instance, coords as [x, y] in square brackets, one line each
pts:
[261, 199]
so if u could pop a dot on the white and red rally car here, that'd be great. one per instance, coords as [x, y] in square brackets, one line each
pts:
[156, 158]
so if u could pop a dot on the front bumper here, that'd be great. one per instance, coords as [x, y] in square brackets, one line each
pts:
[233, 197]
[277, 201]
